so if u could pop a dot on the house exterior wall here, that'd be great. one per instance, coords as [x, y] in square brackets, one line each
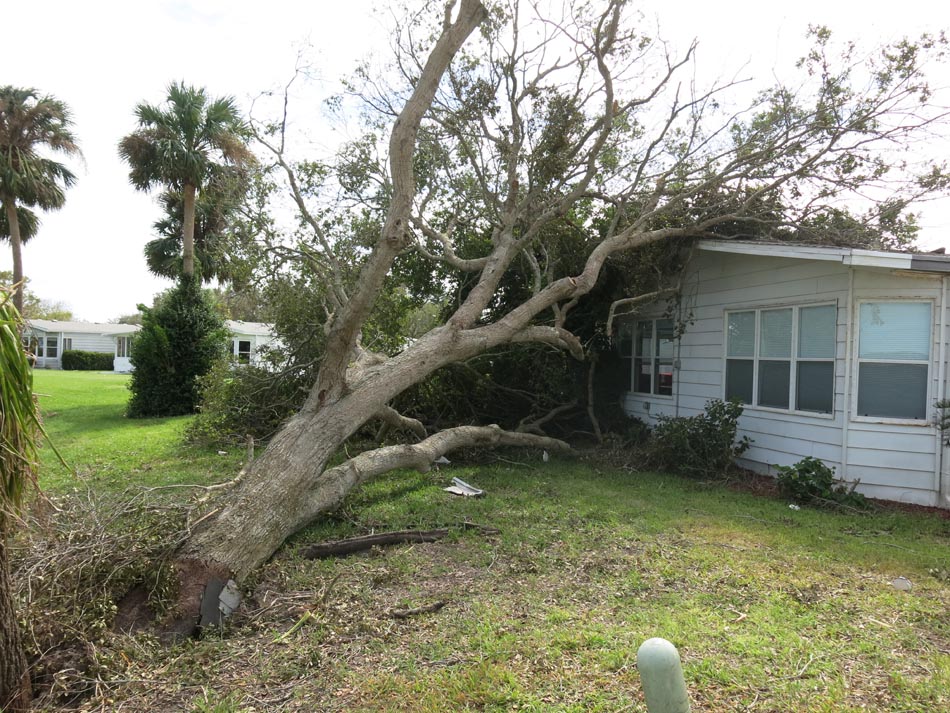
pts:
[256, 342]
[92, 342]
[892, 460]
[81, 341]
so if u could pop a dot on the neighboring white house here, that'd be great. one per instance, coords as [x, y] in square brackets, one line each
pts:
[837, 353]
[47, 339]
[247, 339]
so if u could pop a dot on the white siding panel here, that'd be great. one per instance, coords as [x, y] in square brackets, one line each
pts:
[906, 285]
[701, 377]
[689, 350]
[824, 431]
[793, 446]
[890, 477]
[92, 342]
[765, 457]
[703, 391]
[918, 441]
[904, 461]
[903, 495]
[707, 364]
[692, 401]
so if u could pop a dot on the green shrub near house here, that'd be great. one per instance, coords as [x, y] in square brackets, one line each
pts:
[179, 341]
[78, 360]
[703, 446]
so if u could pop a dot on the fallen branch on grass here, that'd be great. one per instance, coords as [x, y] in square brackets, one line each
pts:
[406, 613]
[341, 548]
[350, 545]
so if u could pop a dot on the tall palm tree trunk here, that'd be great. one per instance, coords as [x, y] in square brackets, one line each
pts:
[9, 206]
[188, 232]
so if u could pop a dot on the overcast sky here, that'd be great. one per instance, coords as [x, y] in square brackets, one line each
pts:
[103, 57]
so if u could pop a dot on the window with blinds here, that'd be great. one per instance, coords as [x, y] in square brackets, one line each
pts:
[893, 359]
[782, 358]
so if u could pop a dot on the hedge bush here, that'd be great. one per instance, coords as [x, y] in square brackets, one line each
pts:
[78, 360]
[811, 481]
[245, 400]
[700, 446]
[180, 339]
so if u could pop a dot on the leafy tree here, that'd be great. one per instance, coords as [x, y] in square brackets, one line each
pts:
[191, 143]
[519, 160]
[129, 319]
[18, 427]
[180, 339]
[29, 124]
[33, 306]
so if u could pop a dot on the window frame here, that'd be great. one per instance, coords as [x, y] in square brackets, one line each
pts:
[67, 344]
[654, 358]
[243, 357]
[52, 340]
[856, 362]
[123, 347]
[793, 360]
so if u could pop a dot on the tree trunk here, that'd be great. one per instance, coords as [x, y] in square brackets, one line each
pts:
[9, 206]
[290, 484]
[188, 231]
[15, 692]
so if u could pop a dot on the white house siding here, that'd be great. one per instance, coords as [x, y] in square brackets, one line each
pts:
[898, 461]
[92, 342]
[81, 341]
[893, 461]
[257, 341]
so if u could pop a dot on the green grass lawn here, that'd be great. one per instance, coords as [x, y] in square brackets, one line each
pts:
[84, 415]
[772, 609]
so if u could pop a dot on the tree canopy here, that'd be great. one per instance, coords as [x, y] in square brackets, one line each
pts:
[35, 307]
[506, 158]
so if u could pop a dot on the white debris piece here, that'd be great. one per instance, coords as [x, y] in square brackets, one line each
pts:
[902, 584]
[460, 487]
[442, 460]
[793, 506]
[229, 599]
[545, 457]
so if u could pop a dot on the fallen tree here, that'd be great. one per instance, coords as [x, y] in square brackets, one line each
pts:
[540, 136]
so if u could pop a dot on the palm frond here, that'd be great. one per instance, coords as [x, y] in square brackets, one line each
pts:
[28, 221]
[19, 422]
[29, 122]
[188, 140]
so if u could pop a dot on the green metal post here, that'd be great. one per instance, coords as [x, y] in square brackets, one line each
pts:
[662, 677]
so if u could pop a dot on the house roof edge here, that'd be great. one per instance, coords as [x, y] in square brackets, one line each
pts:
[918, 262]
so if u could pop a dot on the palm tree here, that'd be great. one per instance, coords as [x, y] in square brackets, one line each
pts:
[181, 145]
[29, 124]
[215, 209]
[19, 424]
